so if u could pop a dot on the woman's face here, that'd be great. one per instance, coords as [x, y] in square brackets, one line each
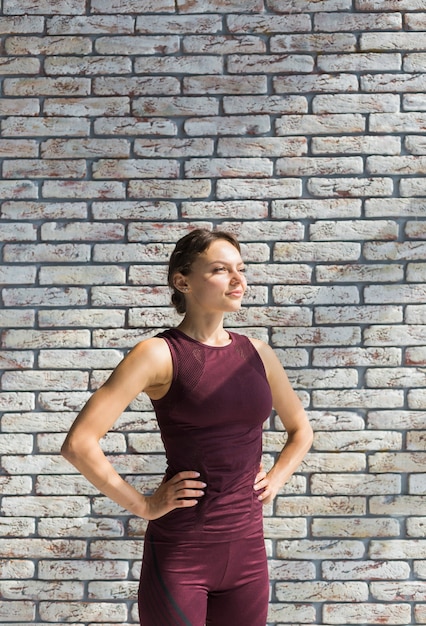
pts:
[216, 281]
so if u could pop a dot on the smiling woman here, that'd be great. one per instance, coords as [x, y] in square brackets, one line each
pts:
[204, 559]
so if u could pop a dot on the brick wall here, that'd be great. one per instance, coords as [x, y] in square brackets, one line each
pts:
[300, 126]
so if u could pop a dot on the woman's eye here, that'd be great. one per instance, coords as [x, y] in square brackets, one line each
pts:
[219, 269]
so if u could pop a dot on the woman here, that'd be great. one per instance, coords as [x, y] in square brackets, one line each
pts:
[204, 558]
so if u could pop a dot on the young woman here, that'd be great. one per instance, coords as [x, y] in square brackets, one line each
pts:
[204, 558]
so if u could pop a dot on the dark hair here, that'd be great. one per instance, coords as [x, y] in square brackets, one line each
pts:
[186, 251]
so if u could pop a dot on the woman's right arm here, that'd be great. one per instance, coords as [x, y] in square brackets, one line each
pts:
[147, 366]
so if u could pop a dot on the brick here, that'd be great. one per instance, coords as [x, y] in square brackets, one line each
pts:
[375, 613]
[35, 46]
[16, 569]
[325, 165]
[356, 103]
[356, 145]
[99, 65]
[392, 82]
[314, 591]
[397, 207]
[414, 314]
[389, 335]
[170, 189]
[18, 232]
[306, 208]
[221, 44]
[415, 145]
[186, 65]
[320, 124]
[313, 42]
[224, 84]
[305, 549]
[19, 65]
[19, 147]
[20, 609]
[401, 293]
[47, 168]
[135, 210]
[128, 126]
[353, 187]
[89, 24]
[358, 441]
[34, 253]
[386, 570]
[394, 250]
[335, 22]
[226, 209]
[330, 462]
[314, 336]
[152, 148]
[74, 275]
[315, 295]
[397, 462]
[12, 444]
[361, 398]
[46, 86]
[137, 86]
[218, 6]
[142, 253]
[19, 107]
[87, 107]
[42, 127]
[360, 62]
[12, 401]
[80, 189]
[179, 24]
[261, 146]
[33, 339]
[415, 62]
[45, 506]
[22, 24]
[267, 23]
[43, 8]
[355, 528]
[134, 6]
[82, 610]
[360, 273]
[10, 189]
[227, 125]
[233, 168]
[160, 231]
[18, 318]
[271, 188]
[361, 314]
[416, 230]
[85, 148]
[176, 105]
[361, 357]
[15, 360]
[35, 380]
[258, 63]
[313, 83]
[316, 252]
[135, 168]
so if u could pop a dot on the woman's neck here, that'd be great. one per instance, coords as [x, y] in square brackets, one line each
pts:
[208, 331]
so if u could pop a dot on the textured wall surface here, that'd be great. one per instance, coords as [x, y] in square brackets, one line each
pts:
[300, 126]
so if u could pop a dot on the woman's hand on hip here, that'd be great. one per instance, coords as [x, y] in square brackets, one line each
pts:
[181, 491]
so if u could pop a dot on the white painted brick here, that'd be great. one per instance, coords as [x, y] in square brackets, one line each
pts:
[321, 591]
[359, 62]
[326, 549]
[138, 86]
[354, 187]
[136, 210]
[332, 22]
[386, 570]
[226, 209]
[357, 528]
[30, 7]
[320, 124]
[319, 165]
[179, 23]
[86, 107]
[360, 273]
[236, 85]
[368, 612]
[306, 208]
[319, 83]
[86, 66]
[173, 147]
[358, 144]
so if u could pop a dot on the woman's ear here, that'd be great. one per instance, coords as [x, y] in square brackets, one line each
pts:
[180, 282]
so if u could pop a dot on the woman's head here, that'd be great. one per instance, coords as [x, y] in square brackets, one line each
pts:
[187, 250]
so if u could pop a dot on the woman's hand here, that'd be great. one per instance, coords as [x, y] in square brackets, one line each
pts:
[264, 485]
[181, 491]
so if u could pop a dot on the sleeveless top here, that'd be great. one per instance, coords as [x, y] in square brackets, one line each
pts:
[211, 421]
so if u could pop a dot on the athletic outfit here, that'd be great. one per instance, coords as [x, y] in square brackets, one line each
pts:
[206, 564]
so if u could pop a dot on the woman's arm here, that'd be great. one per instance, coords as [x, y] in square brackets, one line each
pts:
[147, 366]
[295, 421]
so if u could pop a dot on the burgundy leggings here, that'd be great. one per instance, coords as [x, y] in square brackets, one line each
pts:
[204, 584]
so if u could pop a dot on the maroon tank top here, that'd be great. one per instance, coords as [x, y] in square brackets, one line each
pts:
[211, 421]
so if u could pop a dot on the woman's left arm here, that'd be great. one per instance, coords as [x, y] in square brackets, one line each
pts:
[294, 419]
